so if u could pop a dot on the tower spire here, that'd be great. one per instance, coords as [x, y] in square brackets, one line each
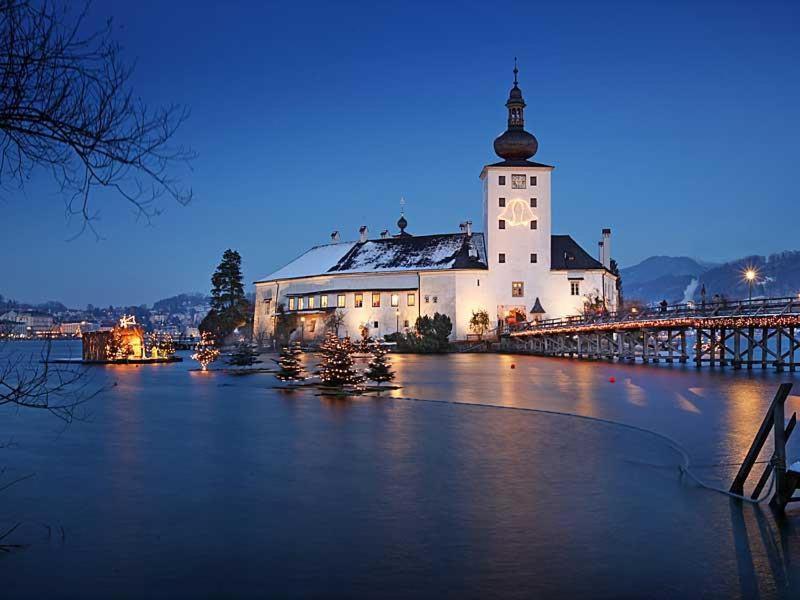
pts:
[516, 144]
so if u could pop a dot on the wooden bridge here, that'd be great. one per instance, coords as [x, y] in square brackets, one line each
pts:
[743, 333]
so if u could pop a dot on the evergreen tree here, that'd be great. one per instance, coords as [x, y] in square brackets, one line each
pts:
[379, 369]
[244, 355]
[337, 368]
[165, 345]
[206, 352]
[289, 362]
[229, 307]
[227, 290]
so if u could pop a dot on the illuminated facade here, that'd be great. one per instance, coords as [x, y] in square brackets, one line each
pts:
[515, 269]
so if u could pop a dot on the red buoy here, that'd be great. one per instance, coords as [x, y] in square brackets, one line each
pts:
[612, 379]
[513, 366]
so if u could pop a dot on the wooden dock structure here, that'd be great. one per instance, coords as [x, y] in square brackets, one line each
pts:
[786, 479]
[761, 333]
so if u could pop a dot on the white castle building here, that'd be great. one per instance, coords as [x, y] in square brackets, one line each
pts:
[515, 270]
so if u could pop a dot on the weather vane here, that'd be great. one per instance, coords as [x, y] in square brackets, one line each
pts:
[402, 205]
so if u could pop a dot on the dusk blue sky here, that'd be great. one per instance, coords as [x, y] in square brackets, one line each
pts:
[675, 124]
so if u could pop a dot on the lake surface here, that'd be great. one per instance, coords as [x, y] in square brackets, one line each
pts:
[189, 484]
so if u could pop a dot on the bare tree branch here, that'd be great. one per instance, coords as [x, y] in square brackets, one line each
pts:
[66, 105]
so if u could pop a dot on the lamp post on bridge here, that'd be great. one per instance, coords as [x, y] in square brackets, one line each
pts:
[750, 276]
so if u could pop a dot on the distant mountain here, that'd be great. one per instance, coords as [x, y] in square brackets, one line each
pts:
[659, 266]
[680, 278]
[180, 302]
[661, 277]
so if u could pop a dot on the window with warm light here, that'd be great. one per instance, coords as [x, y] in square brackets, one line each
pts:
[291, 303]
[358, 300]
[323, 301]
[517, 289]
[575, 288]
[311, 302]
[376, 300]
[395, 299]
[341, 301]
[411, 299]
[300, 303]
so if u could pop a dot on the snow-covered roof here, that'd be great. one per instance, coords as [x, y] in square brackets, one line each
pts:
[315, 261]
[403, 253]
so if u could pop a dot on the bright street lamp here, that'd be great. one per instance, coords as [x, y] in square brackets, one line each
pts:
[750, 275]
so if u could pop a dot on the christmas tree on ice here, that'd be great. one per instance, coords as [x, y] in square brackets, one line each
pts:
[244, 355]
[206, 353]
[290, 364]
[379, 369]
[337, 368]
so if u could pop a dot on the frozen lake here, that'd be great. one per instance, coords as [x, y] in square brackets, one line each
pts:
[184, 483]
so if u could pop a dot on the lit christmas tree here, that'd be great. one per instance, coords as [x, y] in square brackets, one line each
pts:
[206, 353]
[337, 368]
[379, 369]
[289, 362]
[165, 345]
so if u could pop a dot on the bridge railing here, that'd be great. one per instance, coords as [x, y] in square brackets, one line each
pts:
[720, 308]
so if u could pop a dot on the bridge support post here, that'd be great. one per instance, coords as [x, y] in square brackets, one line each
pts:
[737, 349]
[698, 346]
[684, 350]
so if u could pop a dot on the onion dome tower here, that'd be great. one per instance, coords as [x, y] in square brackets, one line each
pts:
[516, 145]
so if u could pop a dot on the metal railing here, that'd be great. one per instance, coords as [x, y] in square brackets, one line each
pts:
[756, 307]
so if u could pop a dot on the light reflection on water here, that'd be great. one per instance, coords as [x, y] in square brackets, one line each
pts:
[188, 483]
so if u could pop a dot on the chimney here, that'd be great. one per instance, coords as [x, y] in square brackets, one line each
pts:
[600, 251]
[362, 233]
[463, 226]
[606, 248]
[335, 236]
[384, 234]
[468, 227]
